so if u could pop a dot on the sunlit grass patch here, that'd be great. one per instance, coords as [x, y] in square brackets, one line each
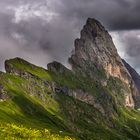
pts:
[13, 132]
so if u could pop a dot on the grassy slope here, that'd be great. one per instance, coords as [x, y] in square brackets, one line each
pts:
[22, 109]
[60, 116]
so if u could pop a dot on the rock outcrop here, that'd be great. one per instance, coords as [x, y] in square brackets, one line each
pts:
[96, 57]
[95, 48]
[57, 67]
[3, 93]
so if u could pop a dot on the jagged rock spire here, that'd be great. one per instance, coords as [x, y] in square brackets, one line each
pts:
[96, 57]
[95, 47]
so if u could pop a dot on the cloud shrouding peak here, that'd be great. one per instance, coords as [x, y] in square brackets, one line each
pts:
[41, 31]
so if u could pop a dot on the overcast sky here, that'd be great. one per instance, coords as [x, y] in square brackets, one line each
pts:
[41, 31]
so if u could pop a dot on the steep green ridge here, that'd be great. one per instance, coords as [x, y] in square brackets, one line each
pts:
[21, 108]
[31, 109]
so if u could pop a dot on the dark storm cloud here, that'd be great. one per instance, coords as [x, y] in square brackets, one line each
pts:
[115, 14]
[44, 30]
[21, 40]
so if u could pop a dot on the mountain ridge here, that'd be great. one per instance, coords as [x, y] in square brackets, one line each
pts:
[97, 99]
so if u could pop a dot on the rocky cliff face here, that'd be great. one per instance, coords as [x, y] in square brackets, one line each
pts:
[136, 81]
[95, 47]
[96, 57]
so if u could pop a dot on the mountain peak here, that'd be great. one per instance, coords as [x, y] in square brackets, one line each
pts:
[96, 48]
[96, 57]
[92, 28]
